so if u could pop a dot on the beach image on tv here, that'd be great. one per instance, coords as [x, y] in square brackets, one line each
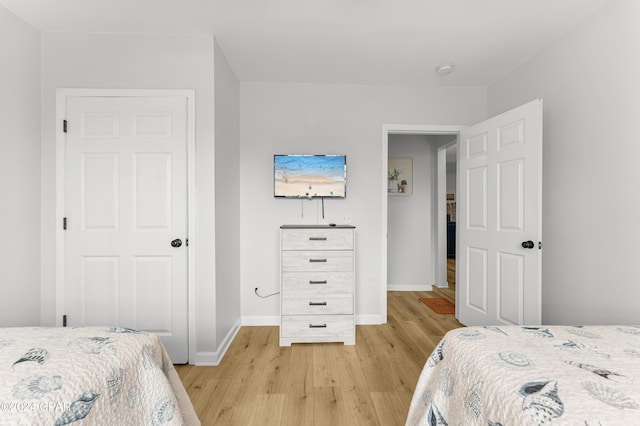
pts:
[309, 176]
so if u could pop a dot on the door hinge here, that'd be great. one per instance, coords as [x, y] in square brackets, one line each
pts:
[64, 223]
[64, 320]
[64, 126]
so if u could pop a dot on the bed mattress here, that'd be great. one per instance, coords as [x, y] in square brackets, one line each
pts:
[90, 375]
[560, 375]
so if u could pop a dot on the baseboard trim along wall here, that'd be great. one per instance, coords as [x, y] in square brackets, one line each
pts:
[213, 359]
[250, 321]
[370, 320]
[417, 287]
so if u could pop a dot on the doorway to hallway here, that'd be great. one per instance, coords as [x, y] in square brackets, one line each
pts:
[439, 233]
[412, 207]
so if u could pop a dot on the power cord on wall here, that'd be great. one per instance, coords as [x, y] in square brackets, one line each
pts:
[264, 297]
[310, 198]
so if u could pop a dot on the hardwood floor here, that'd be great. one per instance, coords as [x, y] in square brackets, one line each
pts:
[371, 383]
[449, 292]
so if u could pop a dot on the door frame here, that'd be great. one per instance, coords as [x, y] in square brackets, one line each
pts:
[441, 271]
[410, 129]
[62, 96]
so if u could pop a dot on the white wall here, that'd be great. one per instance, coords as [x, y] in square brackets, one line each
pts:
[19, 172]
[280, 118]
[590, 84]
[140, 62]
[227, 189]
[410, 255]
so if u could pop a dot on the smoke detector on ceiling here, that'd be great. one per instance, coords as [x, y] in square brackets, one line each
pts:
[444, 69]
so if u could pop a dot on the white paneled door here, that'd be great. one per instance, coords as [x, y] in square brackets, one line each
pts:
[125, 204]
[499, 219]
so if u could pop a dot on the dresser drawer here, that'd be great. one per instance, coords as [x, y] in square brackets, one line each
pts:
[317, 239]
[337, 326]
[317, 282]
[325, 261]
[317, 304]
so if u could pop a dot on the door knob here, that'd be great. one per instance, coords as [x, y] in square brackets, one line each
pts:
[527, 244]
[178, 242]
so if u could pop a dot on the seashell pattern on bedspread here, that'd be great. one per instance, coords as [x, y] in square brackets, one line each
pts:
[512, 375]
[89, 375]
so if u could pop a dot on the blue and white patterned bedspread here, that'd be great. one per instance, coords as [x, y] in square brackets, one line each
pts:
[89, 375]
[559, 375]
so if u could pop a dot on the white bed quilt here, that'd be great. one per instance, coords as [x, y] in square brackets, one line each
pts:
[558, 375]
[89, 376]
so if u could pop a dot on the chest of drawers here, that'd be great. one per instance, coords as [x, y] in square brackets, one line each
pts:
[317, 284]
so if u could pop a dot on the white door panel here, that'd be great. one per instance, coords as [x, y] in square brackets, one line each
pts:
[477, 282]
[510, 278]
[500, 175]
[99, 177]
[126, 200]
[477, 200]
[152, 191]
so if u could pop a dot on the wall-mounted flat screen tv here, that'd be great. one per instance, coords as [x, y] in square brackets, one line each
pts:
[300, 176]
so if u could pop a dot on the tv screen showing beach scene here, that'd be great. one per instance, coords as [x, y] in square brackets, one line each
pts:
[299, 176]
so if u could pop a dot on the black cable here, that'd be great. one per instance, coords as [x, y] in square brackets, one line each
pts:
[264, 297]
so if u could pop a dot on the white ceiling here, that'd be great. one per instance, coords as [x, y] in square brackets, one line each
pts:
[337, 41]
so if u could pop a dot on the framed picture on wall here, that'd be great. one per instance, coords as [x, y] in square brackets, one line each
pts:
[400, 176]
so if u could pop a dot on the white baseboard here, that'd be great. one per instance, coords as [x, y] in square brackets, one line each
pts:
[205, 359]
[228, 339]
[370, 319]
[260, 320]
[417, 287]
[212, 359]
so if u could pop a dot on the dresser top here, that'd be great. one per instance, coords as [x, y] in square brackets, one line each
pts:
[316, 227]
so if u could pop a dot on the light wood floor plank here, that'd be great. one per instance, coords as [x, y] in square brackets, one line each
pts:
[328, 403]
[325, 369]
[299, 409]
[211, 393]
[371, 383]
[267, 410]
[350, 369]
[300, 379]
[372, 360]
[235, 407]
[359, 408]
[299, 390]
[391, 407]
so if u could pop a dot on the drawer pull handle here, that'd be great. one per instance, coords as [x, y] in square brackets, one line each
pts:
[318, 282]
[317, 260]
[318, 326]
[317, 238]
[317, 303]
